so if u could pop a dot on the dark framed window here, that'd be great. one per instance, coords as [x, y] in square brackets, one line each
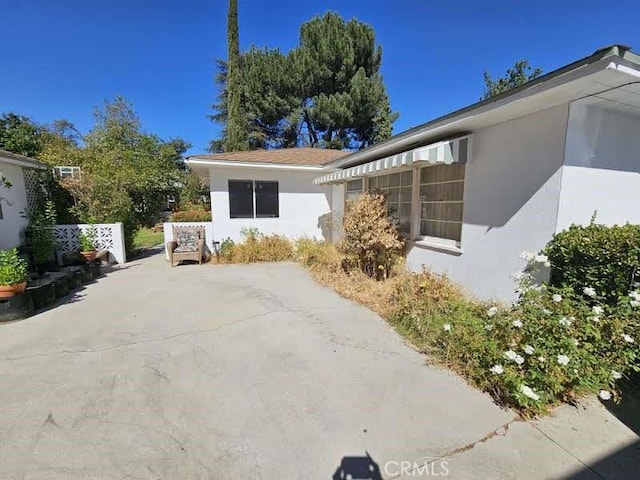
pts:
[253, 199]
[241, 199]
[266, 199]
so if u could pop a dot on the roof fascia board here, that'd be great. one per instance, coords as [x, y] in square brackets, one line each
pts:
[273, 166]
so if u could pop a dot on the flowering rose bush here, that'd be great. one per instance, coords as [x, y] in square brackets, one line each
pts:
[553, 345]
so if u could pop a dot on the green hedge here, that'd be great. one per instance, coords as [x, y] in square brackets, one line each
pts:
[596, 256]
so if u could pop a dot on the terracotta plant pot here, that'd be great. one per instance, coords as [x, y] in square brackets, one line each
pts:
[8, 291]
[89, 256]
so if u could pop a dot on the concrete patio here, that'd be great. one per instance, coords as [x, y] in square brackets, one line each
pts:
[257, 372]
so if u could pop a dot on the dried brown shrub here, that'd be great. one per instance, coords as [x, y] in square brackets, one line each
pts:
[370, 242]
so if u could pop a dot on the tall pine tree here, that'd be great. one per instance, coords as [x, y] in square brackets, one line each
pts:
[236, 125]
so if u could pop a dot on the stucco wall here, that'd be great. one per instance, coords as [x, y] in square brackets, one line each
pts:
[14, 201]
[512, 189]
[304, 207]
[602, 167]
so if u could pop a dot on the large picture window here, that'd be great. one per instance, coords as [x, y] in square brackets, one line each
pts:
[441, 201]
[253, 199]
[397, 190]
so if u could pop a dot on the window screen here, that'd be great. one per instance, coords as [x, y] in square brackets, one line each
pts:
[441, 202]
[354, 189]
[266, 199]
[397, 188]
[241, 198]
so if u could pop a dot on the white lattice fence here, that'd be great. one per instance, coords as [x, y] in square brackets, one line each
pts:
[33, 187]
[109, 236]
[168, 233]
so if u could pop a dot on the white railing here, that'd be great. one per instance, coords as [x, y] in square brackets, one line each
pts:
[168, 233]
[109, 236]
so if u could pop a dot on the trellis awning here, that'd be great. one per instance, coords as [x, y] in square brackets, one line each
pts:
[446, 152]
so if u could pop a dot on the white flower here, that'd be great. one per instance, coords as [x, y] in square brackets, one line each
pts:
[605, 395]
[488, 327]
[542, 359]
[519, 276]
[594, 319]
[565, 322]
[528, 392]
[510, 355]
[634, 303]
[556, 297]
[563, 359]
[540, 258]
[528, 349]
[627, 338]
[517, 323]
[546, 311]
[635, 295]
[519, 359]
[492, 311]
[597, 310]
[616, 375]
[575, 341]
[447, 327]
[528, 256]
[588, 291]
[497, 369]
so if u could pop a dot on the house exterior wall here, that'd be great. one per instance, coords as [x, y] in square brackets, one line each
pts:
[511, 195]
[13, 201]
[602, 167]
[304, 208]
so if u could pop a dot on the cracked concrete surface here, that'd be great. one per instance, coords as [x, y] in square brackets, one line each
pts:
[256, 372]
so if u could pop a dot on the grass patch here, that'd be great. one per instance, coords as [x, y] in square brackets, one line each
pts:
[146, 238]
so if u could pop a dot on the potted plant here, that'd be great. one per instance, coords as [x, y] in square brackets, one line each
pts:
[87, 244]
[13, 273]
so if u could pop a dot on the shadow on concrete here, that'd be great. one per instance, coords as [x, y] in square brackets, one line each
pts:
[358, 468]
[624, 463]
[140, 253]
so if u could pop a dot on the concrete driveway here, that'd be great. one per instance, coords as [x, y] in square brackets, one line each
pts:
[257, 372]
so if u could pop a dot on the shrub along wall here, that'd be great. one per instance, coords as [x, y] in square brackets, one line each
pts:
[557, 343]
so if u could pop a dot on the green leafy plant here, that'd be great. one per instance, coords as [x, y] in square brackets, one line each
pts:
[87, 239]
[605, 258]
[13, 269]
[41, 232]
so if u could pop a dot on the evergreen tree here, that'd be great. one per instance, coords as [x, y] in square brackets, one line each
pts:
[519, 74]
[327, 92]
[236, 126]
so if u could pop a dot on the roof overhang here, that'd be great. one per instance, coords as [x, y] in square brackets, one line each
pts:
[602, 71]
[22, 162]
[195, 162]
[443, 152]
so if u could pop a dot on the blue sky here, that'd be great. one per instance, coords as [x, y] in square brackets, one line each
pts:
[64, 57]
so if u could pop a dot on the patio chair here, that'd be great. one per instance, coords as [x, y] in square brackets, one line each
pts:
[188, 244]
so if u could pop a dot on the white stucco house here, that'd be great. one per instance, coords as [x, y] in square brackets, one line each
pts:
[470, 190]
[15, 200]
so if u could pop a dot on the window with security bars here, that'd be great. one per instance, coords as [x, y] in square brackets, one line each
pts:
[441, 201]
[397, 189]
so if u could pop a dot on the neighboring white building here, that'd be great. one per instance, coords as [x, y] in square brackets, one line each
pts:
[15, 200]
[475, 188]
[271, 190]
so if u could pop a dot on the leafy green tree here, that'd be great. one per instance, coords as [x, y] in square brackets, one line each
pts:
[19, 134]
[519, 74]
[327, 92]
[236, 128]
